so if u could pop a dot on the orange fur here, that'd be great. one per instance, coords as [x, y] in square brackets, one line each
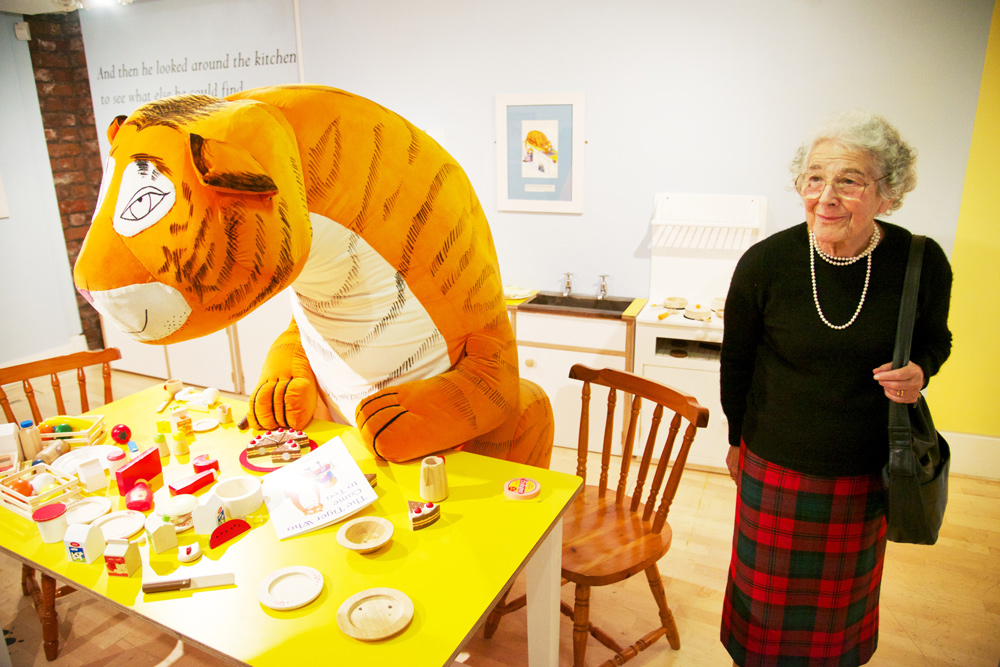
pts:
[247, 171]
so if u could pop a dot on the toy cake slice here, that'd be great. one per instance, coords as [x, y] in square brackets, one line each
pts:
[423, 514]
[274, 442]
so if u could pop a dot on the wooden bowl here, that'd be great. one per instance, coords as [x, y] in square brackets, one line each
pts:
[365, 534]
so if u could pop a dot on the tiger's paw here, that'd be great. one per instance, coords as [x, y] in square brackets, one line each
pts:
[282, 403]
[392, 432]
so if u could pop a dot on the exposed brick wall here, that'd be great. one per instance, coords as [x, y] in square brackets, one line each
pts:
[61, 78]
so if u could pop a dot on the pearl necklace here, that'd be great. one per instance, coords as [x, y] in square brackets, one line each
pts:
[841, 261]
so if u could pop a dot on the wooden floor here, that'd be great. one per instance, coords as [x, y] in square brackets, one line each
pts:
[940, 605]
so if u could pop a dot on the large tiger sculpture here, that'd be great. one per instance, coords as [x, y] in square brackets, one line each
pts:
[211, 206]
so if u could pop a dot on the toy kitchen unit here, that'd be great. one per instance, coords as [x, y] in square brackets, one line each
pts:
[696, 241]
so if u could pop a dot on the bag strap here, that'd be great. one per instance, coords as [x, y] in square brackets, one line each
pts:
[908, 303]
[901, 459]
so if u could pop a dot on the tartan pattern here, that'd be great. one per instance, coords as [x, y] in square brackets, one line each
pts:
[804, 578]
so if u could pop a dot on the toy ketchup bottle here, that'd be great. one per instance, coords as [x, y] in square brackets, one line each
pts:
[139, 497]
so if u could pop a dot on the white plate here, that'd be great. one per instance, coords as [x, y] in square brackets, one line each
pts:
[67, 463]
[290, 587]
[206, 424]
[121, 524]
[88, 509]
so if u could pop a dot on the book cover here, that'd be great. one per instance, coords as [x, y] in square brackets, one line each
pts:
[321, 488]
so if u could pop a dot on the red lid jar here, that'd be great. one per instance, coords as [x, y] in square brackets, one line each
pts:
[51, 522]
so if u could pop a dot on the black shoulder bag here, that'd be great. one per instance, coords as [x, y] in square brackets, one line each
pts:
[916, 476]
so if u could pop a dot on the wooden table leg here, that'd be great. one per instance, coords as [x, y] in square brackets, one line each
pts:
[44, 599]
[27, 573]
[47, 614]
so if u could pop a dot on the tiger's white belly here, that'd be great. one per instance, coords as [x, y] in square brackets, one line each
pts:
[361, 326]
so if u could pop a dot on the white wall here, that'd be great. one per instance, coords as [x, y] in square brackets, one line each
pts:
[38, 312]
[681, 96]
[142, 52]
[701, 97]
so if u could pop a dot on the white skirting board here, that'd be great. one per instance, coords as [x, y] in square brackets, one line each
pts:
[974, 455]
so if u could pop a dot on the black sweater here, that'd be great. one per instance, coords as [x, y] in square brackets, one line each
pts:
[801, 394]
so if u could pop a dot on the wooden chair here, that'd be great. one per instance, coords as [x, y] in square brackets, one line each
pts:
[44, 592]
[608, 537]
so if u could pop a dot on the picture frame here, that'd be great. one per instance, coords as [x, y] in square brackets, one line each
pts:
[540, 144]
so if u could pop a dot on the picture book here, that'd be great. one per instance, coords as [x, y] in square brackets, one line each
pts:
[320, 488]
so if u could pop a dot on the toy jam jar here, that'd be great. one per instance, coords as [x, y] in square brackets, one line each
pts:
[51, 522]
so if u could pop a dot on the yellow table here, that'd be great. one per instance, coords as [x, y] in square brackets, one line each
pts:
[453, 570]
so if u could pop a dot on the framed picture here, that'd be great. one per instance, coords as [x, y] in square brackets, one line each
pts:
[540, 140]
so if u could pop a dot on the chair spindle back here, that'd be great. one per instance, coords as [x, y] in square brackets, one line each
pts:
[685, 408]
[78, 361]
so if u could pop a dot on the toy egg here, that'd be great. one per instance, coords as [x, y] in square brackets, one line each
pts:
[42, 481]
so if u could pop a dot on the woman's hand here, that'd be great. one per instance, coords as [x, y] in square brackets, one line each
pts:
[902, 385]
[733, 463]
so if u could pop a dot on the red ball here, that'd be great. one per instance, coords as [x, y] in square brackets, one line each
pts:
[121, 434]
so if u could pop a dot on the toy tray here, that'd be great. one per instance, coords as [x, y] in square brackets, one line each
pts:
[87, 429]
[67, 491]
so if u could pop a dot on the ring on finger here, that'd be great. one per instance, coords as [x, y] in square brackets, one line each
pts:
[899, 393]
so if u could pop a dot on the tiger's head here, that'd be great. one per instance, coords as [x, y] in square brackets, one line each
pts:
[201, 218]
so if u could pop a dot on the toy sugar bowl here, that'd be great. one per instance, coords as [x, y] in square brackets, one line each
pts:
[51, 522]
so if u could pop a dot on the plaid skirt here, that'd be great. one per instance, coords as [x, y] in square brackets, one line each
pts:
[806, 568]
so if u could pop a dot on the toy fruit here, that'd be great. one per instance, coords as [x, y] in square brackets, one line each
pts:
[45, 428]
[22, 486]
[62, 428]
[121, 434]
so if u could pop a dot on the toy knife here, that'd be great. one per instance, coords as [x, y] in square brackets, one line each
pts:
[188, 583]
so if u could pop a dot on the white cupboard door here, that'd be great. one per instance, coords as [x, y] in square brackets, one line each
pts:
[549, 369]
[141, 358]
[205, 361]
[711, 444]
[256, 332]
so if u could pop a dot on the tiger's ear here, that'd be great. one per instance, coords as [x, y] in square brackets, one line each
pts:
[115, 126]
[229, 168]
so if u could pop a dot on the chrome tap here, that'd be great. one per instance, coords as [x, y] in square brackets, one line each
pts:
[604, 286]
[568, 286]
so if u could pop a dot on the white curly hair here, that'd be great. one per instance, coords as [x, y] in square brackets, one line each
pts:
[868, 133]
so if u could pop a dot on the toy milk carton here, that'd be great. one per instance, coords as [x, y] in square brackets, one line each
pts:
[160, 534]
[121, 557]
[84, 543]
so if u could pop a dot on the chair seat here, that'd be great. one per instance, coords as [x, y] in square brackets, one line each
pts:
[604, 542]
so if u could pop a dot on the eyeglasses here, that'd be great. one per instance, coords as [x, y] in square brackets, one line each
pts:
[845, 186]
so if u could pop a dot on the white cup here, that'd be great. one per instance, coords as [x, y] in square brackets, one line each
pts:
[224, 413]
[240, 495]
[433, 479]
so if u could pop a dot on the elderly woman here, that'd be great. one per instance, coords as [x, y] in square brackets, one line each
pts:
[806, 379]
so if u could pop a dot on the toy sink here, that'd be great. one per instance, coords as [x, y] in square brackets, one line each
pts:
[552, 302]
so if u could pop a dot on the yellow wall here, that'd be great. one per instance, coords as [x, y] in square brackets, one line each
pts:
[965, 396]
